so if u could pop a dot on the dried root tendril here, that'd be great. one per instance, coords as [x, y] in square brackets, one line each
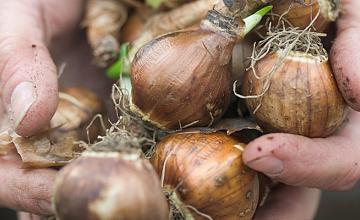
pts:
[180, 211]
[283, 40]
[128, 133]
[198, 212]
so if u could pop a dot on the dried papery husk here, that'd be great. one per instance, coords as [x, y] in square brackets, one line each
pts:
[42, 151]
[6, 143]
[204, 176]
[231, 126]
[39, 151]
[57, 145]
[109, 186]
[300, 13]
[183, 79]
[77, 108]
[174, 20]
[301, 96]
[103, 20]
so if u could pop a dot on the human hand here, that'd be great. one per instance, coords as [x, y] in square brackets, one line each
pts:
[288, 202]
[328, 163]
[28, 76]
[49, 25]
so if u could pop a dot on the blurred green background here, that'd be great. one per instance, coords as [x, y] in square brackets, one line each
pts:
[334, 206]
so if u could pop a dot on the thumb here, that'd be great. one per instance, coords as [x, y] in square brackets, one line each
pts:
[28, 83]
[28, 79]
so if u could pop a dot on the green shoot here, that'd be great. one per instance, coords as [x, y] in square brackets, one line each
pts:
[254, 19]
[115, 70]
[153, 3]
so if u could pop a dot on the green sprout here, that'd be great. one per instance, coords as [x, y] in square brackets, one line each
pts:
[115, 70]
[154, 3]
[254, 19]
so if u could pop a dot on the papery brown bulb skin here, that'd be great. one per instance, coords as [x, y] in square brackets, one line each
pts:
[103, 20]
[77, 107]
[209, 173]
[301, 14]
[303, 97]
[183, 78]
[109, 186]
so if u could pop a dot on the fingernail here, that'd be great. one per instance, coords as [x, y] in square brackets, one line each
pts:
[45, 206]
[23, 96]
[268, 165]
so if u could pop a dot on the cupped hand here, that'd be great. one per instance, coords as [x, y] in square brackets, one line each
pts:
[288, 202]
[328, 163]
[29, 85]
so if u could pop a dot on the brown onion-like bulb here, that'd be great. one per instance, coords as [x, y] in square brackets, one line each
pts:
[109, 186]
[77, 107]
[204, 175]
[304, 11]
[241, 58]
[303, 97]
[103, 20]
[184, 78]
[170, 89]
[133, 28]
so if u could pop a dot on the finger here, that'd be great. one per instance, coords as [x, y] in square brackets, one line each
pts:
[345, 53]
[24, 189]
[28, 79]
[290, 203]
[27, 216]
[332, 163]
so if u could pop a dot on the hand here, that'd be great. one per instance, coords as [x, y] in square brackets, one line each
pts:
[28, 76]
[328, 163]
[29, 84]
[287, 202]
